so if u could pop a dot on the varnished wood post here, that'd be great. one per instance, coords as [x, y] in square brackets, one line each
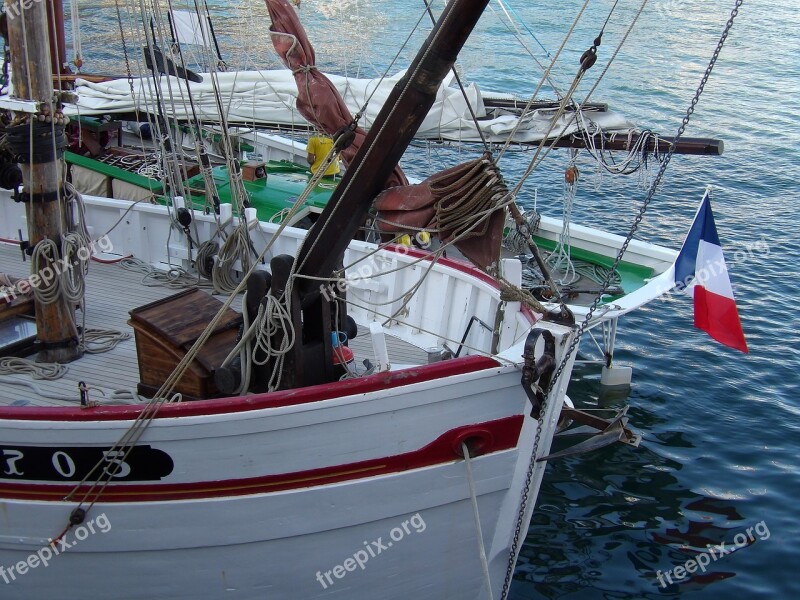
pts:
[55, 28]
[32, 74]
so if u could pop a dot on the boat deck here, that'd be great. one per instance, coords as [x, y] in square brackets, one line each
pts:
[111, 293]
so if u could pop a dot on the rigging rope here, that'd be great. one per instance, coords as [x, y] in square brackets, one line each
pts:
[75, 18]
[518, 35]
[473, 496]
[560, 260]
[461, 87]
[37, 370]
[583, 326]
[532, 99]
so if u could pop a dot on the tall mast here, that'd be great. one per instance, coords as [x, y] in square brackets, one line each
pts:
[32, 78]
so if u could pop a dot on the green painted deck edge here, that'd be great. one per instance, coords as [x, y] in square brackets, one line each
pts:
[115, 172]
[267, 200]
[633, 275]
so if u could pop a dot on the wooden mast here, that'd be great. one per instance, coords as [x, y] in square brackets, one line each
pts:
[41, 175]
[310, 359]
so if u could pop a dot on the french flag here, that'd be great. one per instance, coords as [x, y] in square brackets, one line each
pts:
[700, 270]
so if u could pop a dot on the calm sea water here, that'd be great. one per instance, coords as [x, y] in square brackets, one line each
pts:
[721, 429]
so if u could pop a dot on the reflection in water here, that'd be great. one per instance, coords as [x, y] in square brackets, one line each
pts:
[608, 521]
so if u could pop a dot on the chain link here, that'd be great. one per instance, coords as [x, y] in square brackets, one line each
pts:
[582, 328]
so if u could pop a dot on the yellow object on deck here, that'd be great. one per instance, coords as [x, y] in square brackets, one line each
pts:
[318, 149]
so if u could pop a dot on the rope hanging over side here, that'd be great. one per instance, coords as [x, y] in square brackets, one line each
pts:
[560, 260]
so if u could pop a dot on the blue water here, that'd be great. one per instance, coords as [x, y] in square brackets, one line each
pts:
[721, 429]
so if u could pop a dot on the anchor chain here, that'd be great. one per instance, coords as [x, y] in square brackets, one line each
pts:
[580, 329]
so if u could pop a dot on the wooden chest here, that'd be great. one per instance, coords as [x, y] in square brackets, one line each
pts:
[166, 329]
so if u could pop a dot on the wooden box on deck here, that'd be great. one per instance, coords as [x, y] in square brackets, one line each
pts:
[164, 332]
[253, 170]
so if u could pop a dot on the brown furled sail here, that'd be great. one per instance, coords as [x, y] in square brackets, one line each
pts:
[318, 100]
[462, 204]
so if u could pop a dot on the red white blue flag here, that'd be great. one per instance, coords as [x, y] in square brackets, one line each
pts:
[700, 270]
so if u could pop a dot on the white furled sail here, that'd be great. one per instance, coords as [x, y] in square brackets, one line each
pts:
[268, 97]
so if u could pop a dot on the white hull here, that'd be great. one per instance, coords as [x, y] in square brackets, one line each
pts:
[272, 544]
[258, 494]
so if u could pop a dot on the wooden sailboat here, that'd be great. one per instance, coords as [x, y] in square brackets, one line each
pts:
[641, 274]
[410, 480]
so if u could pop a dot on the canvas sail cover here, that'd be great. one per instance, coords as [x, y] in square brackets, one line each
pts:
[270, 98]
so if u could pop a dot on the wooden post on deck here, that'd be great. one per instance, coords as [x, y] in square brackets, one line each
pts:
[32, 73]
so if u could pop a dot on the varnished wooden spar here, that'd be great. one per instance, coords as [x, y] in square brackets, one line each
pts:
[31, 72]
[613, 141]
[390, 134]
[621, 141]
[310, 360]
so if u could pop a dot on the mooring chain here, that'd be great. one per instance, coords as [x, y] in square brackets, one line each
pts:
[581, 329]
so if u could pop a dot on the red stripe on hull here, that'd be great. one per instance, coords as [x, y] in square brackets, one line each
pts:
[327, 391]
[492, 436]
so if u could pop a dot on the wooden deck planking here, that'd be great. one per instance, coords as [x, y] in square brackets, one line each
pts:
[111, 293]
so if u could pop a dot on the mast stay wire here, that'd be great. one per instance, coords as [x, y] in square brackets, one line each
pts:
[512, 27]
[542, 80]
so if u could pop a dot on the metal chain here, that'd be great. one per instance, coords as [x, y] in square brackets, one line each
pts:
[582, 328]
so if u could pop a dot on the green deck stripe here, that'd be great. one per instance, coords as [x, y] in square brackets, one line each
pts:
[114, 172]
[285, 182]
[633, 275]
